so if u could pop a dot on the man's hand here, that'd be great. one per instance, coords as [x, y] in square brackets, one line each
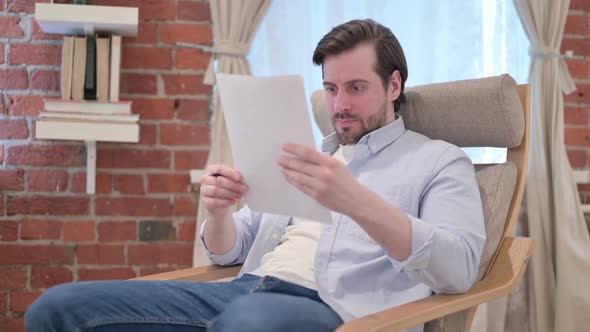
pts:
[320, 176]
[221, 187]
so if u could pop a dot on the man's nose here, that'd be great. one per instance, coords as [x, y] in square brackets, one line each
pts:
[341, 102]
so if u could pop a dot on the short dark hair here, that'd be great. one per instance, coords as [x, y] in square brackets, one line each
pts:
[390, 55]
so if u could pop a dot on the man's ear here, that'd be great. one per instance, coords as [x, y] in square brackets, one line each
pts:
[395, 85]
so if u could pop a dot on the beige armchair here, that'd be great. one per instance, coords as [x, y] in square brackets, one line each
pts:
[488, 112]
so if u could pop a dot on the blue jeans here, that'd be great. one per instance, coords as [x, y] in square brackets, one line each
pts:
[248, 303]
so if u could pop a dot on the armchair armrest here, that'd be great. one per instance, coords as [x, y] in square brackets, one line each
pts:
[503, 277]
[203, 273]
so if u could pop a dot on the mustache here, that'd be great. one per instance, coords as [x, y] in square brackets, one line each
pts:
[344, 116]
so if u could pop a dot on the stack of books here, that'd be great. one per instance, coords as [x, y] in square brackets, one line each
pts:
[90, 73]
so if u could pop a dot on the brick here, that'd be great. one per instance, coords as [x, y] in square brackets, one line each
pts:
[47, 180]
[1, 154]
[130, 158]
[155, 230]
[575, 115]
[578, 68]
[3, 304]
[153, 109]
[190, 159]
[577, 136]
[38, 34]
[576, 25]
[132, 206]
[35, 54]
[13, 129]
[79, 231]
[152, 254]
[19, 105]
[146, 58]
[8, 230]
[577, 45]
[53, 205]
[13, 278]
[12, 179]
[193, 110]
[185, 85]
[192, 59]
[102, 183]
[148, 9]
[106, 274]
[37, 229]
[128, 184]
[12, 324]
[46, 155]
[110, 231]
[45, 277]
[187, 230]
[138, 83]
[21, 300]
[1, 53]
[147, 271]
[46, 80]
[578, 158]
[100, 254]
[147, 34]
[193, 11]
[149, 134]
[172, 33]
[168, 183]
[186, 205]
[20, 254]
[22, 6]
[13, 79]
[10, 28]
[580, 5]
[175, 134]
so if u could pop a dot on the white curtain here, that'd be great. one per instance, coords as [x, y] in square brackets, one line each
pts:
[234, 25]
[560, 267]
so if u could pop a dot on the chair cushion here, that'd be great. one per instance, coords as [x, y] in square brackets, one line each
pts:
[496, 186]
[470, 113]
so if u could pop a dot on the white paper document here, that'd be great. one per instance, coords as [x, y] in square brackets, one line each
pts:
[261, 115]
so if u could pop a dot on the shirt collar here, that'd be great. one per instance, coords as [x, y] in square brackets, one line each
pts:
[376, 140]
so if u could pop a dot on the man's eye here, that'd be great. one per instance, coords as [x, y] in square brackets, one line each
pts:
[330, 89]
[358, 88]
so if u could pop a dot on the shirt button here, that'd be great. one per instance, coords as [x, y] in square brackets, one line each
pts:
[275, 236]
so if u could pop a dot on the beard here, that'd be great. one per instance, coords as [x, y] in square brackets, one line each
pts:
[374, 121]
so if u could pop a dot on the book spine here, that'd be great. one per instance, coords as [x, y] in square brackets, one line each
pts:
[67, 64]
[115, 68]
[90, 79]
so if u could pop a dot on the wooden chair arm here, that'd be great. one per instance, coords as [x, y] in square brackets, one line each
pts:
[203, 273]
[503, 277]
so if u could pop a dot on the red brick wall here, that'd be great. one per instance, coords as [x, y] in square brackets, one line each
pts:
[141, 220]
[577, 104]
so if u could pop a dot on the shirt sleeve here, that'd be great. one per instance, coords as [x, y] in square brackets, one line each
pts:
[449, 234]
[247, 223]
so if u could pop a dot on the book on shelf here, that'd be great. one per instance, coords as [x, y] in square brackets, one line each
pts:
[67, 64]
[87, 131]
[132, 118]
[115, 73]
[90, 77]
[79, 68]
[102, 68]
[88, 107]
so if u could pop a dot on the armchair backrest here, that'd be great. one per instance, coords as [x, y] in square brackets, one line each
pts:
[487, 112]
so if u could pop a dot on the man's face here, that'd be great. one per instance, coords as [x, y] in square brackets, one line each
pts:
[356, 99]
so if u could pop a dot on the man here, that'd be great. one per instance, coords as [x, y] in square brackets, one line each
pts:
[407, 221]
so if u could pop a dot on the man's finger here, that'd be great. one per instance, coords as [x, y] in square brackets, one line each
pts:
[225, 183]
[217, 192]
[299, 165]
[305, 153]
[223, 170]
